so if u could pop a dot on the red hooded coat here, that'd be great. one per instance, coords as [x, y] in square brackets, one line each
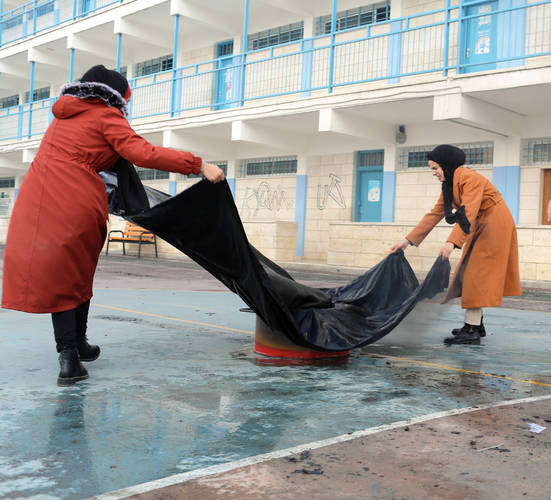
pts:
[58, 224]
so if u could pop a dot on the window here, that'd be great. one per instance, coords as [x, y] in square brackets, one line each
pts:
[8, 102]
[150, 174]
[371, 158]
[476, 154]
[38, 94]
[41, 10]
[536, 151]
[222, 164]
[6, 182]
[276, 36]
[154, 66]
[12, 22]
[352, 18]
[268, 166]
[224, 49]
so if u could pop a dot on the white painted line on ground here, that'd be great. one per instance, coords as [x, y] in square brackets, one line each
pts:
[217, 469]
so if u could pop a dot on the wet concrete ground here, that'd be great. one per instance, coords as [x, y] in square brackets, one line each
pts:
[178, 388]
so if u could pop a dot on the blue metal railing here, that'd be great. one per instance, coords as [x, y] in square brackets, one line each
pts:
[429, 42]
[38, 15]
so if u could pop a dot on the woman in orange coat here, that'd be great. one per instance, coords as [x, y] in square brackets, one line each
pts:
[58, 225]
[484, 227]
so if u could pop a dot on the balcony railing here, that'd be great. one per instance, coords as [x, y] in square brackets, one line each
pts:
[38, 15]
[456, 39]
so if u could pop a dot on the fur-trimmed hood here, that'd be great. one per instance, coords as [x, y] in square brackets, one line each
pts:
[96, 90]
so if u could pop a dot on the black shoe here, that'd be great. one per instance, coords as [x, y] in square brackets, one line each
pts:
[71, 368]
[469, 334]
[88, 352]
[455, 331]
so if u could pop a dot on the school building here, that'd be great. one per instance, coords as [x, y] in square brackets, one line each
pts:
[320, 111]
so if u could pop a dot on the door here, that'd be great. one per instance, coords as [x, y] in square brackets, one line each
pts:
[480, 36]
[369, 186]
[546, 196]
[223, 86]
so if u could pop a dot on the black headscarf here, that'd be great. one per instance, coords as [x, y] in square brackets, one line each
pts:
[450, 158]
[109, 77]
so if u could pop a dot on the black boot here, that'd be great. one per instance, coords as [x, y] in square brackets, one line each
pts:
[86, 351]
[455, 331]
[469, 334]
[71, 368]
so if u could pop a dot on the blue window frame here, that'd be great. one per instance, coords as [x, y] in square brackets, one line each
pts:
[222, 164]
[156, 65]
[41, 10]
[38, 94]
[150, 174]
[276, 36]
[7, 182]
[12, 22]
[353, 18]
[268, 166]
[476, 154]
[9, 101]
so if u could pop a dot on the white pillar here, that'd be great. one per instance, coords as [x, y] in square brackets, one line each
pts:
[507, 151]
[308, 27]
[232, 169]
[396, 9]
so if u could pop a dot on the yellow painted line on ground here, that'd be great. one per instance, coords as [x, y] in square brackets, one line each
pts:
[172, 318]
[462, 370]
[395, 358]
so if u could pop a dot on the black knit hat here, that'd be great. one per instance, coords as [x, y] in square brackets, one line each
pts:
[109, 77]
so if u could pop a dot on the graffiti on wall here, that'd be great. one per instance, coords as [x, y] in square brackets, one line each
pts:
[332, 190]
[264, 197]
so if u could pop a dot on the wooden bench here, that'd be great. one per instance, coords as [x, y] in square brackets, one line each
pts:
[132, 234]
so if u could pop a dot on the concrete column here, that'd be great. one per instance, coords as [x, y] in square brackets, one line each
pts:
[396, 9]
[301, 202]
[18, 181]
[506, 171]
[389, 183]
[230, 175]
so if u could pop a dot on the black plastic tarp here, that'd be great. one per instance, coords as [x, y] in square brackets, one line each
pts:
[203, 222]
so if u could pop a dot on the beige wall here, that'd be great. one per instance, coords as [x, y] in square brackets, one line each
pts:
[266, 198]
[329, 199]
[364, 245]
[530, 203]
[417, 191]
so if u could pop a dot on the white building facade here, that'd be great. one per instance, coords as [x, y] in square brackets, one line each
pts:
[320, 111]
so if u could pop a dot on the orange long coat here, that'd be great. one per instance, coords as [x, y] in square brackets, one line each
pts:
[488, 269]
[58, 224]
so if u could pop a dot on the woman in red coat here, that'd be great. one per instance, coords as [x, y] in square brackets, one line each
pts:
[58, 225]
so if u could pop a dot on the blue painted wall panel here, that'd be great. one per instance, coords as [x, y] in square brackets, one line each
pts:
[300, 212]
[306, 75]
[394, 61]
[231, 184]
[511, 33]
[507, 181]
[389, 193]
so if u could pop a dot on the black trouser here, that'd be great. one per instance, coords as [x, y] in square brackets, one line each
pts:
[70, 326]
